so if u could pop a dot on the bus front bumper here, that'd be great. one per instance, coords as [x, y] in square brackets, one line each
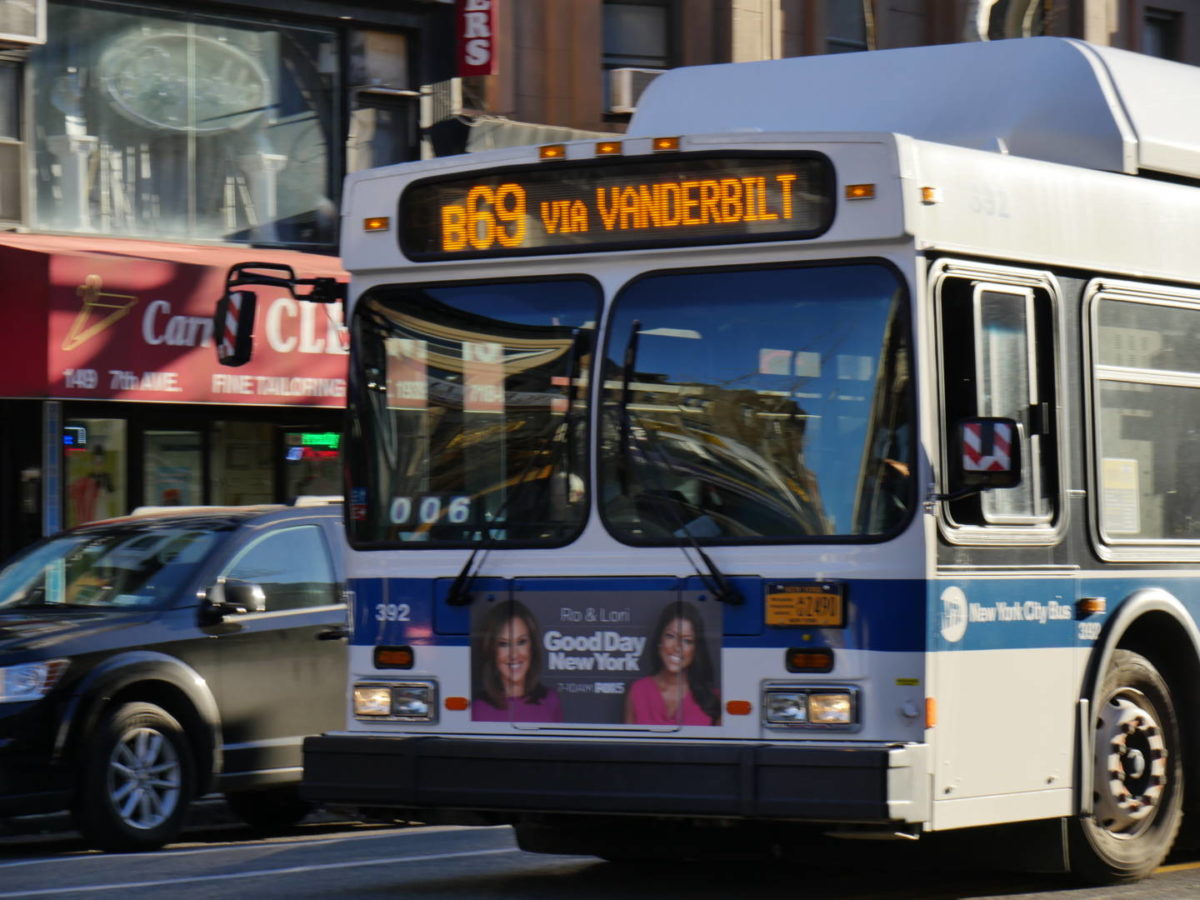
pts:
[853, 783]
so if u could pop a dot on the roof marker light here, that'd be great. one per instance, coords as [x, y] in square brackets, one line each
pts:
[377, 223]
[552, 151]
[608, 148]
[931, 195]
[860, 192]
[665, 144]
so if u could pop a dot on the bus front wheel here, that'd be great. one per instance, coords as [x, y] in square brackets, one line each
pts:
[1137, 789]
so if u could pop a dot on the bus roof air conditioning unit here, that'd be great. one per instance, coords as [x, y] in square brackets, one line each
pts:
[625, 86]
[22, 22]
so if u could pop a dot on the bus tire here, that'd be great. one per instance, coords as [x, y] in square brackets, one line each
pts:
[1137, 792]
[136, 781]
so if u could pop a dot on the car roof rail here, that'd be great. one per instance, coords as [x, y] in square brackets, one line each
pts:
[316, 499]
[200, 508]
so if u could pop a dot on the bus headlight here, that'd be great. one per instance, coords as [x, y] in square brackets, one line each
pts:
[786, 707]
[835, 708]
[372, 700]
[400, 701]
[790, 706]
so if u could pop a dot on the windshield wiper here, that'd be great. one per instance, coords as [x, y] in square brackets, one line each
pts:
[460, 589]
[714, 579]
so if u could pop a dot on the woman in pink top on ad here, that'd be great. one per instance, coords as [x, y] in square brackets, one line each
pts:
[506, 665]
[681, 687]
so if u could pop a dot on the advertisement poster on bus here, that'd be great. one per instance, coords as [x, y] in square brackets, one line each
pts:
[596, 657]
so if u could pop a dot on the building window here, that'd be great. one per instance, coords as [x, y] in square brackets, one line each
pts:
[637, 34]
[384, 106]
[1160, 33]
[180, 126]
[846, 24]
[12, 151]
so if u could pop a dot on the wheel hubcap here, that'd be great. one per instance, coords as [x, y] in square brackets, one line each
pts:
[144, 778]
[1131, 764]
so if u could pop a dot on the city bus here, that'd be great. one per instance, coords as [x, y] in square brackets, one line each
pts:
[815, 456]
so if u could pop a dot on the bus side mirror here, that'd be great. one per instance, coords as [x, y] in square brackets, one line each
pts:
[986, 455]
[233, 325]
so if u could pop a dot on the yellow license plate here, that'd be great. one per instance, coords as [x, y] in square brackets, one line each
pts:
[818, 605]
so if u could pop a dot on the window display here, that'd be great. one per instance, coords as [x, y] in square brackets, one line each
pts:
[160, 124]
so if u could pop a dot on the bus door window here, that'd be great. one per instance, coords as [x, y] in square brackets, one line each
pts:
[997, 354]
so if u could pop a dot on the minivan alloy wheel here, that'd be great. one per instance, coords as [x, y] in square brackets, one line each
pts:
[144, 778]
[136, 781]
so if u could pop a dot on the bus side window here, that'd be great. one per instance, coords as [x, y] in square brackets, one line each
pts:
[998, 360]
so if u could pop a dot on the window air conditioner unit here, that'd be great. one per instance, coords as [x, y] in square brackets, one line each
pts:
[625, 86]
[22, 22]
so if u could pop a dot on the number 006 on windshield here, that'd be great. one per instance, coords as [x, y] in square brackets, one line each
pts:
[806, 604]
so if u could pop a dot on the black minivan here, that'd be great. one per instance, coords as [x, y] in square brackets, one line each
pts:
[149, 660]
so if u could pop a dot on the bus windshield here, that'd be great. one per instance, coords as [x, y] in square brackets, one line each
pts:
[758, 404]
[468, 407]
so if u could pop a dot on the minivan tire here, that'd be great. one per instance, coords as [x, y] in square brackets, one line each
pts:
[136, 781]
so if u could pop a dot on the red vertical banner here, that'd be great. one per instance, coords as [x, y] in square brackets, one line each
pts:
[407, 374]
[483, 377]
[475, 25]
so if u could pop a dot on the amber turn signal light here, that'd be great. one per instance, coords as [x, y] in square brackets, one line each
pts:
[809, 659]
[394, 657]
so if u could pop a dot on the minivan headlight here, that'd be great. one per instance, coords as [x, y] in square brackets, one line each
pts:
[30, 681]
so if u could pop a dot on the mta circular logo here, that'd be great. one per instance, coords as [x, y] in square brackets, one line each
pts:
[954, 614]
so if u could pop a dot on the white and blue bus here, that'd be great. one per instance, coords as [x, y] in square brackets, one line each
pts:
[820, 452]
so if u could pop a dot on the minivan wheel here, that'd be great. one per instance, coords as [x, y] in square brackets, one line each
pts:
[136, 781]
[270, 809]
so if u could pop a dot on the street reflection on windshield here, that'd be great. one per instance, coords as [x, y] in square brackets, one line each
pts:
[123, 567]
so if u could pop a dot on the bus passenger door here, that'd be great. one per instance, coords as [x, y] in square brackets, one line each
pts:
[1003, 669]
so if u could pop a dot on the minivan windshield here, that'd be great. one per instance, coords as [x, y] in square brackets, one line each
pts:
[119, 567]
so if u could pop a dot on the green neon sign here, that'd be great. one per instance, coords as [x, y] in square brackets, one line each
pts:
[329, 439]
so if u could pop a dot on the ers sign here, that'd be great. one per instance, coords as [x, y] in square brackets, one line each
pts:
[476, 37]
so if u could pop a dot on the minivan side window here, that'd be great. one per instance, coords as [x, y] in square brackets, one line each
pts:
[292, 566]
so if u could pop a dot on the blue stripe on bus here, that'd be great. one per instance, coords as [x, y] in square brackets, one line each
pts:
[953, 614]
[886, 615]
[1030, 613]
[1001, 614]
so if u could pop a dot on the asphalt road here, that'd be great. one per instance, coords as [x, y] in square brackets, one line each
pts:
[327, 856]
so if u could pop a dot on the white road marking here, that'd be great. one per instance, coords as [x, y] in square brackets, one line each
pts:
[255, 873]
[256, 844]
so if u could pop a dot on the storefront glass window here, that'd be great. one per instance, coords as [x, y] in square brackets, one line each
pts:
[313, 464]
[172, 125]
[242, 463]
[95, 460]
[174, 468]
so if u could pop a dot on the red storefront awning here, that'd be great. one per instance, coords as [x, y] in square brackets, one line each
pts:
[115, 319]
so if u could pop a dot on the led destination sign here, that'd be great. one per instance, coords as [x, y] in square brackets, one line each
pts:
[569, 207]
